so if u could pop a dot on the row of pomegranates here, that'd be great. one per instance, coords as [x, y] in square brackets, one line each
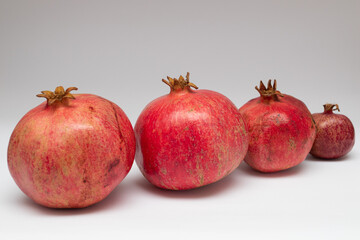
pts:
[74, 149]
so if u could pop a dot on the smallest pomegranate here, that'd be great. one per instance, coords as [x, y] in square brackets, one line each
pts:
[335, 134]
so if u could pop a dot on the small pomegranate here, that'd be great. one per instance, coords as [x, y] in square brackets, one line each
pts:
[281, 130]
[335, 135]
[189, 138]
[71, 151]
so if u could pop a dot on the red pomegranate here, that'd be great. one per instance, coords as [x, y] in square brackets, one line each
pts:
[71, 151]
[189, 138]
[281, 130]
[335, 135]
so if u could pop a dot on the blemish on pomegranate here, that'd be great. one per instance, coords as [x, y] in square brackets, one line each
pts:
[219, 170]
[117, 122]
[113, 164]
[201, 178]
[277, 119]
[292, 143]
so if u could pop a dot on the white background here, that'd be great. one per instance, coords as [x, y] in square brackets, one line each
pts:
[120, 50]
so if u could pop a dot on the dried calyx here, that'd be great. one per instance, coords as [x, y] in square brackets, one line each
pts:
[329, 107]
[58, 95]
[181, 83]
[269, 91]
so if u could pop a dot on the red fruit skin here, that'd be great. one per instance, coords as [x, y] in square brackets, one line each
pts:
[281, 133]
[335, 135]
[188, 139]
[71, 156]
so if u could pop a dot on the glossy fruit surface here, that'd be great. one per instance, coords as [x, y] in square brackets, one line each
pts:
[189, 138]
[71, 151]
[281, 130]
[335, 134]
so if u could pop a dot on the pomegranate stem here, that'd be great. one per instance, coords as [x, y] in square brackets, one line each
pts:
[269, 91]
[180, 83]
[329, 108]
[58, 95]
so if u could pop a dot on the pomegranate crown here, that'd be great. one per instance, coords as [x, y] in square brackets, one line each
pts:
[58, 95]
[268, 91]
[329, 107]
[180, 83]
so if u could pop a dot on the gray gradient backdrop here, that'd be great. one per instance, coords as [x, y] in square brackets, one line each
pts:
[120, 50]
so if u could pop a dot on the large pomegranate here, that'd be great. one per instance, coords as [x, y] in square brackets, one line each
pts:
[189, 138]
[281, 130]
[71, 151]
[335, 134]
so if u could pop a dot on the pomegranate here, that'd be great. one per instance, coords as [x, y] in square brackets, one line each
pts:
[281, 130]
[72, 150]
[335, 135]
[189, 138]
